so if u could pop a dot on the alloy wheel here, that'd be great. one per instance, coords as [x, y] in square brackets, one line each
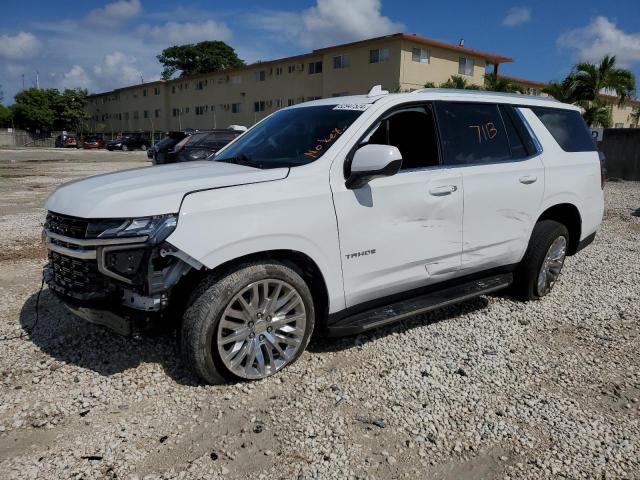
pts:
[261, 329]
[552, 265]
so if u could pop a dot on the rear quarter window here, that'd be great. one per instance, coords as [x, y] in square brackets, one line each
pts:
[567, 127]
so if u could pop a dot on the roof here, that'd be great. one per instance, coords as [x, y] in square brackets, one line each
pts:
[524, 81]
[490, 57]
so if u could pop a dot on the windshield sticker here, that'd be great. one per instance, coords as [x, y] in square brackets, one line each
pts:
[360, 107]
[322, 142]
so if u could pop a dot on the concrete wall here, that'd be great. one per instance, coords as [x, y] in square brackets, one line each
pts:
[621, 147]
[20, 138]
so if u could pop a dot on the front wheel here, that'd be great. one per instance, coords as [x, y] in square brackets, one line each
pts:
[543, 261]
[249, 324]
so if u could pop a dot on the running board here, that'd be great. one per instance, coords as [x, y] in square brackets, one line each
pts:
[380, 316]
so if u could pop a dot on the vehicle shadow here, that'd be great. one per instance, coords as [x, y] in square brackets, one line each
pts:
[321, 345]
[72, 340]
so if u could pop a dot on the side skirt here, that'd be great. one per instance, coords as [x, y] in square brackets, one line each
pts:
[398, 310]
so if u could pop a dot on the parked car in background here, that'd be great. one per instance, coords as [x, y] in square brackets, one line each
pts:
[93, 142]
[129, 142]
[201, 145]
[158, 153]
[66, 140]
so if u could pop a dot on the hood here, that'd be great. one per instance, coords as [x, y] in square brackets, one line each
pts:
[149, 191]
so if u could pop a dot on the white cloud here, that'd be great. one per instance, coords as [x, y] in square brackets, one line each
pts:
[76, 77]
[18, 47]
[117, 69]
[602, 37]
[114, 14]
[517, 16]
[189, 32]
[329, 22]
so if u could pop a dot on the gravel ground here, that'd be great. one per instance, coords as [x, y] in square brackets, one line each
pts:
[492, 388]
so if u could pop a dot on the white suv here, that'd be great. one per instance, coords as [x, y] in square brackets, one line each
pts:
[334, 216]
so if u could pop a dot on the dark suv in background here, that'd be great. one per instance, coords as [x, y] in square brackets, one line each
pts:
[201, 145]
[158, 153]
[129, 142]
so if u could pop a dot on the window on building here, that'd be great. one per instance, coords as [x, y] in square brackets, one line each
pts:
[378, 55]
[567, 127]
[341, 61]
[186, 110]
[290, 102]
[465, 66]
[173, 89]
[472, 133]
[259, 106]
[619, 125]
[156, 90]
[235, 108]
[315, 67]
[144, 92]
[135, 115]
[202, 109]
[236, 79]
[261, 75]
[200, 85]
[145, 114]
[278, 103]
[279, 70]
[340, 94]
[291, 68]
[175, 112]
[420, 55]
[156, 113]
[126, 115]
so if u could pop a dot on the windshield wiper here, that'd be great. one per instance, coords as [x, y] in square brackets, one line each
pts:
[241, 159]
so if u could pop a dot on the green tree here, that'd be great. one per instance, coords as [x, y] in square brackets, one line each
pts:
[563, 91]
[70, 110]
[203, 57]
[460, 83]
[429, 85]
[33, 109]
[596, 113]
[5, 116]
[496, 83]
[591, 80]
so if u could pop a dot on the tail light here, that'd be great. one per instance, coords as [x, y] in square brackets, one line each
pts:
[603, 169]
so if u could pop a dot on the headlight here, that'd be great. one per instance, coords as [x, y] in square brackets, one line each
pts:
[157, 228]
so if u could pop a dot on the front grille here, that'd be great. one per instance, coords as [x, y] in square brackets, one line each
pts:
[68, 226]
[75, 227]
[77, 277]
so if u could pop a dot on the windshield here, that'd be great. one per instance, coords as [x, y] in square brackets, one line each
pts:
[291, 137]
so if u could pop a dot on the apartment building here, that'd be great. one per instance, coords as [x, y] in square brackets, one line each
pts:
[621, 115]
[245, 95]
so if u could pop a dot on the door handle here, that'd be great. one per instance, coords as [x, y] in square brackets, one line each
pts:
[528, 179]
[442, 191]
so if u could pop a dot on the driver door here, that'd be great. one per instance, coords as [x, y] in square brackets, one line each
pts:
[405, 231]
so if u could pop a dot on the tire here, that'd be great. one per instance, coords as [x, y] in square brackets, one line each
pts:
[220, 343]
[546, 252]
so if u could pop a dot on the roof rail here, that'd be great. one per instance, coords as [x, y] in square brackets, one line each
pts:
[376, 91]
[484, 92]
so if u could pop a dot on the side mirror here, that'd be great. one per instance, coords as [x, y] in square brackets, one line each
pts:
[373, 161]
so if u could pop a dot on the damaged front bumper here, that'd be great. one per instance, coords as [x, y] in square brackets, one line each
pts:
[124, 284]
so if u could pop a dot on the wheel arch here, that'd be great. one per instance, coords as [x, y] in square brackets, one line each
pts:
[569, 215]
[305, 266]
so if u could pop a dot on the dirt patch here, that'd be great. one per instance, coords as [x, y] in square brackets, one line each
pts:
[23, 251]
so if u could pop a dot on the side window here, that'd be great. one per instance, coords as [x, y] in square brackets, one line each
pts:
[520, 140]
[412, 130]
[472, 133]
[567, 127]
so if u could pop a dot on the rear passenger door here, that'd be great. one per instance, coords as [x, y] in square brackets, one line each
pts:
[503, 179]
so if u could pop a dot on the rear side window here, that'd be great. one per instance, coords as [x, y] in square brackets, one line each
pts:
[472, 133]
[567, 127]
[520, 140]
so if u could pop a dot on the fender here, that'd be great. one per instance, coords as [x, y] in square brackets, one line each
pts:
[217, 226]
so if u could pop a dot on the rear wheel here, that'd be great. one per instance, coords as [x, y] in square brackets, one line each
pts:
[249, 324]
[543, 261]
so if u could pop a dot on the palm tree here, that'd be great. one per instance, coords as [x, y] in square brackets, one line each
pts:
[596, 113]
[591, 80]
[563, 91]
[495, 83]
[460, 83]
[634, 117]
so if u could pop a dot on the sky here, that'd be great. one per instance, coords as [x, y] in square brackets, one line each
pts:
[101, 45]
